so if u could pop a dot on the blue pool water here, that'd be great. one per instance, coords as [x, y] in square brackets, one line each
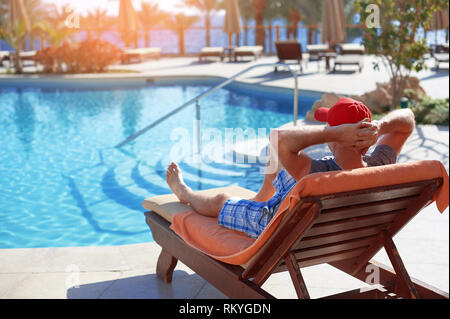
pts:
[62, 182]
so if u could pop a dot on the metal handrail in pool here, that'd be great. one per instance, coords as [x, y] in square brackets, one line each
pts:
[209, 91]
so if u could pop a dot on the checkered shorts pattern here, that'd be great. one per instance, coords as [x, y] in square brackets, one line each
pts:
[252, 217]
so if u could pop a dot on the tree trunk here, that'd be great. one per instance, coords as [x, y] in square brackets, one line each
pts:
[208, 29]
[181, 40]
[260, 32]
[17, 62]
[270, 38]
[245, 33]
[147, 38]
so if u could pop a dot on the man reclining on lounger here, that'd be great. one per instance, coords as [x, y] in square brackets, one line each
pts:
[350, 132]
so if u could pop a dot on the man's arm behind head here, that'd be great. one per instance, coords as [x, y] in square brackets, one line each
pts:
[395, 128]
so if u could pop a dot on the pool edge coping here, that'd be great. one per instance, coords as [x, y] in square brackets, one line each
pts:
[142, 79]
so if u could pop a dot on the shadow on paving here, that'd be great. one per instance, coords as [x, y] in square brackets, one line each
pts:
[147, 286]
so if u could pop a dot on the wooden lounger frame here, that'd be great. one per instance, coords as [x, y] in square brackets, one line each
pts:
[344, 230]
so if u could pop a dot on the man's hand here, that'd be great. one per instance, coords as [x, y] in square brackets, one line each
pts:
[368, 133]
[360, 136]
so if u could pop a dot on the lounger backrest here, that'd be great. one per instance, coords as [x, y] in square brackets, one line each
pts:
[351, 48]
[441, 48]
[344, 226]
[288, 50]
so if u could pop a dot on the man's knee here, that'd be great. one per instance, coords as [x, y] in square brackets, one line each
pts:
[221, 198]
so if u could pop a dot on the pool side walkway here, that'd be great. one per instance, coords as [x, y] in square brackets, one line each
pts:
[130, 271]
[347, 81]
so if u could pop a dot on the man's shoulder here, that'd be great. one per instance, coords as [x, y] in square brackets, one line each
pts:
[383, 154]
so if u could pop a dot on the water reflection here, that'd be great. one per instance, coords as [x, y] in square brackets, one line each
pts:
[131, 105]
[25, 121]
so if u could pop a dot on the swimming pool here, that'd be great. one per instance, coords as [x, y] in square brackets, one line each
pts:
[62, 182]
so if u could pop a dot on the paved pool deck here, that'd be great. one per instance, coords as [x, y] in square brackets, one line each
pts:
[130, 271]
[347, 80]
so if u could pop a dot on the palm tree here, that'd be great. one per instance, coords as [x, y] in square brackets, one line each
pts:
[287, 10]
[208, 7]
[311, 11]
[150, 16]
[37, 11]
[3, 12]
[15, 38]
[260, 33]
[179, 23]
[99, 21]
[246, 9]
[54, 26]
[272, 11]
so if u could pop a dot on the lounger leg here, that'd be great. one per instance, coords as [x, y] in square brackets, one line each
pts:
[403, 278]
[296, 276]
[165, 266]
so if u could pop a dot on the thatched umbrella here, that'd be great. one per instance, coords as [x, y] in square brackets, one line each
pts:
[333, 22]
[232, 23]
[128, 22]
[439, 21]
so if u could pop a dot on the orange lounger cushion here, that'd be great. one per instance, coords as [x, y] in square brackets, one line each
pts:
[237, 248]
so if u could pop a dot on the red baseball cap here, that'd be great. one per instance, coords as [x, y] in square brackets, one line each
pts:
[345, 111]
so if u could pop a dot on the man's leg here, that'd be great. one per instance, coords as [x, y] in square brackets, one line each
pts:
[272, 169]
[207, 205]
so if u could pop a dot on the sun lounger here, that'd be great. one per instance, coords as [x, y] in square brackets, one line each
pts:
[440, 55]
[27, 55]
[212, 52]
[252, 51]
[141, 54]
[315, 49]
[290, 50]
[4, 56]
[350, 54]
[24, 56]
[341, 218]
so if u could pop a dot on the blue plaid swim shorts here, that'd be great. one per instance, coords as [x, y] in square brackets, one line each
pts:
[252, 217]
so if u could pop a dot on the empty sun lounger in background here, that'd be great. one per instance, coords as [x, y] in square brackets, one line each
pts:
[212, 52]
[342, 218]
[350, 54]
[255, 51]
[440, 54]
[4, 56]
[290, 50]
[315, 49]
[140, 55]
[28, 56]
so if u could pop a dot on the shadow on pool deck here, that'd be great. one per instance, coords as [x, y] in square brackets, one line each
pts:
[146, 286]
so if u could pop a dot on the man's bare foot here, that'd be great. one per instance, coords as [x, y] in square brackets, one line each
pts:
[174, 179]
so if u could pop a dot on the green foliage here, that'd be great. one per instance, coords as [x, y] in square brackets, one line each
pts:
[395, 41]
[430, 111]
